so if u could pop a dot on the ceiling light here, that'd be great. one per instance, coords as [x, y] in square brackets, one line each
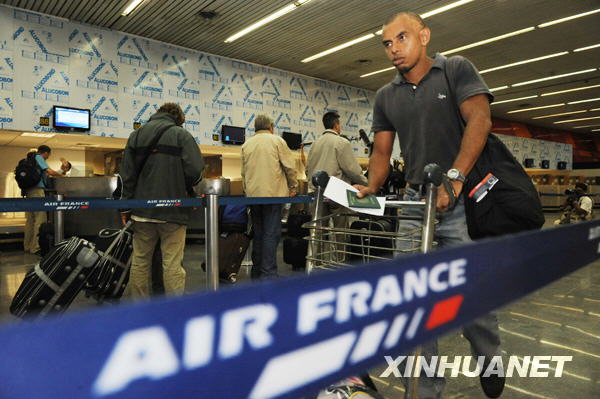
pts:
[558, 21]
[570, 90]
[32, 134]
[337, 48]
[524, 62]
[561, 114]
[586, 48]
[577, 120]
[379, 71]
[513, 99]
[499, 88]
[595, 109]
[132, 6]
[534, 108]
[444, 8]
[584, 101]
[269, 18]
[486, 41]
[583, 127]
[595, 130]
[554, 77]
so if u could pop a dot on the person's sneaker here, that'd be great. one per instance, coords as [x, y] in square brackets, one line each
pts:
[492, 386]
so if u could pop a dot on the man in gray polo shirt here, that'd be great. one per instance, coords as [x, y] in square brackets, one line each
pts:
[418, 107]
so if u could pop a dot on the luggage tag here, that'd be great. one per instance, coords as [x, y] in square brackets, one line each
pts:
[483, 187]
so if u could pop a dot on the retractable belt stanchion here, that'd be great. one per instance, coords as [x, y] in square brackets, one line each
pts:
[211, 229]
[59, 223]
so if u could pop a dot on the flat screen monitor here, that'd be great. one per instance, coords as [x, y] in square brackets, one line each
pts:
[293, 140]
[545, 164]
[529, 162]
[233, 135]
[67, 118]
[561, 165]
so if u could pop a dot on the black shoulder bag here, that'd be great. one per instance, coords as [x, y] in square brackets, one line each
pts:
[500, 197]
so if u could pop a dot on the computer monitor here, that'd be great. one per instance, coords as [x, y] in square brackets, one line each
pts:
[529, 162]
[293, 140]
[561, 165]
[233, 135]
[545, 164]
[67, 118]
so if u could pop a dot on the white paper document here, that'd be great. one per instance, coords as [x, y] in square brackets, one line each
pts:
[336, 191]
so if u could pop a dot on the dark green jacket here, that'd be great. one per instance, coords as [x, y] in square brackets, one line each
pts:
[163, 175]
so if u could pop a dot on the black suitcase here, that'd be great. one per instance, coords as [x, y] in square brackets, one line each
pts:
[111, 273]
[53, 283]
[294, 252]
[362, 247]
[232, 249]
[294, 225]
[46, 238]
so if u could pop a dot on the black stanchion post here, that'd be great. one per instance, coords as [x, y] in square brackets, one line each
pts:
[211, 230]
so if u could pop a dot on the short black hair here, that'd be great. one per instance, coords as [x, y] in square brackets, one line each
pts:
[582, 186]
[330, 119]
[412, 15]
[44, 148]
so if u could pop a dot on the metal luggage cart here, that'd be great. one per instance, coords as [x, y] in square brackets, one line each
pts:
[331, 247]
[374, 238]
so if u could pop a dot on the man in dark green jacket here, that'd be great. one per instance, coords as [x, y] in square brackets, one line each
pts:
[173, 166]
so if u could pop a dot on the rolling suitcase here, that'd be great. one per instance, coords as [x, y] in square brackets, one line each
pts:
[232, 249]
[294, 225]
[111, 273]
[294, 252]
[74, 264]
[53, 283]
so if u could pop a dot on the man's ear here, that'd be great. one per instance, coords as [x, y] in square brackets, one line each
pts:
[425, 36]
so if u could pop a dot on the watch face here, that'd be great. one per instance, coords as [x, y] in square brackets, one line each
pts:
[453, 173]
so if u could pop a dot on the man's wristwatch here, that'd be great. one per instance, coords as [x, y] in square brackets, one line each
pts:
[455, 174]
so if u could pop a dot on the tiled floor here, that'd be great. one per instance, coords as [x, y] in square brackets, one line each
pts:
[562, 319]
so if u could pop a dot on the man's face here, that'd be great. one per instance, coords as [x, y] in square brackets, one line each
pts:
[45, 155]
[405, 41]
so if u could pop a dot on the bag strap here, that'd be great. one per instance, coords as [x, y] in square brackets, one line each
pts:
[453, 97]
[150, 148]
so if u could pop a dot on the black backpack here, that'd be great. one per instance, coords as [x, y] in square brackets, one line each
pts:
[28, 173]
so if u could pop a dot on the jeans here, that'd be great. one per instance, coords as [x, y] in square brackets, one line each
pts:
[266, 224]
[483, 333]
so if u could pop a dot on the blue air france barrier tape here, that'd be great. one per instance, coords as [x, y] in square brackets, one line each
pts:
[283, 338]
[70, 204]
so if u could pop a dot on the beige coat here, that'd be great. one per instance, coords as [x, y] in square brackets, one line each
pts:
[333, 154]
[267, 166]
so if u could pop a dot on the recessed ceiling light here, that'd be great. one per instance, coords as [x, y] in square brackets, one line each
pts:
[561, 114]
[499, 88]
[569, 90]
[584, 101]
[545, 57]
[34, 134]
[586, 48]
[379, 71]
[132, 6]
[583, 127]
[513, 99]
[534, 108]
[577, 120]
[595, 130]
[558, 21]
[486, 41]
[337, 48]
[554, 77]
[269, 18]
[444, 8]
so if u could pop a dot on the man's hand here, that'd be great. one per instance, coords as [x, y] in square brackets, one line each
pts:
[443, 198]
[65, 165]
[293, 193]
[125, 218]
[364, 190]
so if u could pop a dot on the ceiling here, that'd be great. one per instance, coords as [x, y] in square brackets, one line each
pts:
[322, 24]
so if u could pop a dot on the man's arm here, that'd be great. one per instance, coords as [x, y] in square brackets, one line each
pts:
[476, 113]
[379, 163]
[193, 163]
[349, 164]
[287, 162]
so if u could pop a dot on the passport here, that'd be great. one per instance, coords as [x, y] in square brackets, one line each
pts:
[369, 201]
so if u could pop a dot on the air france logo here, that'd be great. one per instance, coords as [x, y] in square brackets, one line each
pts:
[324, 315]
[441, 96]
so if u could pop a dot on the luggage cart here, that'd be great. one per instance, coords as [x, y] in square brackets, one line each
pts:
[373, 238]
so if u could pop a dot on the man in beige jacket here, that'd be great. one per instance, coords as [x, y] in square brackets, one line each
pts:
[267, 171]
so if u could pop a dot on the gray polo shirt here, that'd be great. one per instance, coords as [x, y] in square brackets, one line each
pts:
[427, 123]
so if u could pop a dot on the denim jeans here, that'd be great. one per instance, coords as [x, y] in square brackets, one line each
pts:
[266, 224]
[482, 333]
